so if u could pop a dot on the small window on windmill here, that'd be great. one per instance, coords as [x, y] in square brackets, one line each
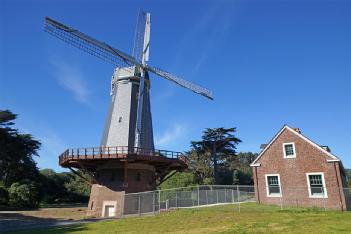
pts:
[138, 176]
[113, 176]
[119, 175]
[120, 119]
[92, 205]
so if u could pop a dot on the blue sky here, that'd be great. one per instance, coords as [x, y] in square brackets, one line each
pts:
[268, 63]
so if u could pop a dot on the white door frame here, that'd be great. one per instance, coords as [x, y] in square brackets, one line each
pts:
[108, 203]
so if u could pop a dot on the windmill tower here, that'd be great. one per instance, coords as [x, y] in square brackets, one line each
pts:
[129, 120]
[126, 160]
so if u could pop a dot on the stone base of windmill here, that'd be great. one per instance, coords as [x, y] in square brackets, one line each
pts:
[105, 202]
[107, 197]
[119, 173]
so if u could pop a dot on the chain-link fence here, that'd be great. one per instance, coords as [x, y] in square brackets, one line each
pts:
[207, 195]
[317, 197]
[347, 192]
[162, 200]
[141, 203]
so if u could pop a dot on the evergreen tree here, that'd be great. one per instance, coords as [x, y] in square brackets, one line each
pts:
[16, 152]
[217, 146]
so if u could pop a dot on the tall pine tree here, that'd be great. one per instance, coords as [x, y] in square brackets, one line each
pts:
[217, 146]
[16, 152]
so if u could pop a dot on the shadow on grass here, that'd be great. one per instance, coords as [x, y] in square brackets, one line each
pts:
[44, 205]
[11, 222]
[63, 205]
[54, 230]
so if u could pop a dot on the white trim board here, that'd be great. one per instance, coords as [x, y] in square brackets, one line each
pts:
[293, 145]
[325, 195]
[297, 134]
[267, 186]
[109, 203]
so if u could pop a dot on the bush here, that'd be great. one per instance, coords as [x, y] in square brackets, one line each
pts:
[77, 190]
[4, 195]
[178, 180]
[52, 188]
[24, 194]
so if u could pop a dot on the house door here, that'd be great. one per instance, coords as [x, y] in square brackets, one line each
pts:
[109, 211]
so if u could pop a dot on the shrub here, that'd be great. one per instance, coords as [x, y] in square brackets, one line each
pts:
[52, 188]
[4, 195]
[77, 190]
[24, 194]
[183, 179]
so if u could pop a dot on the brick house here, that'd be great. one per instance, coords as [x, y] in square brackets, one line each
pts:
[292, 170]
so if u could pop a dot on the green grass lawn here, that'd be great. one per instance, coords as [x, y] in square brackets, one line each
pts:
[221, 219]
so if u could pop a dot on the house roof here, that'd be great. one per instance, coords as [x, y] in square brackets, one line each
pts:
[286, 127]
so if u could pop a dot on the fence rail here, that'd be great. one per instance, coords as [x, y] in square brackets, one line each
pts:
[117, 152]
[206, 195]
[161, 200]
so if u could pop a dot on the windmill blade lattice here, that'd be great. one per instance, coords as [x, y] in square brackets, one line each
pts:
[89, 44]
[184, 83]
[115, 56]
[139, 36]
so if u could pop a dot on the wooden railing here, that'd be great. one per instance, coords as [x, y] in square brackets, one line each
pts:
[116, 152]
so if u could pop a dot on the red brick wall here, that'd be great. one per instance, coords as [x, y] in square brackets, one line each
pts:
[114, 179]
[98, 195]
[110, 188]
[293, 171]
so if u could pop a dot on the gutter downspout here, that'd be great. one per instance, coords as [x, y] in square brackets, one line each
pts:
[337, 180]
[258, 192]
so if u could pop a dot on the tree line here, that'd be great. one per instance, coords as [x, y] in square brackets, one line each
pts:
[213, 160]
[21, 183]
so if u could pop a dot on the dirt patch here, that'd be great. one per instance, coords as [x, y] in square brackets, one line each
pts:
[11, 220]
[75, 213]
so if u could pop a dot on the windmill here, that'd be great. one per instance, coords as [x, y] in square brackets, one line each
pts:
[137, 130]
[128, 134]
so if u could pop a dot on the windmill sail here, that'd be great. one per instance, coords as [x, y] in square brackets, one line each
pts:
[141, 50]
[184, 83]
[139, 36]
[129, 120]
[88, 44]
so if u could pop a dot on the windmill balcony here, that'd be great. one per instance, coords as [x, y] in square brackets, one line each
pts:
[118, 152]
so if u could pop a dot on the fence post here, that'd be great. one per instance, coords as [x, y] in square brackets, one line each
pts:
[176, 200]
[139, 205]
[198, 195]
[153, 202]
[238, 194]
[159, 201]
[281, 202]
[233, 200]
[217, 196]
[206, 198]
[324, 200]
[123, 204]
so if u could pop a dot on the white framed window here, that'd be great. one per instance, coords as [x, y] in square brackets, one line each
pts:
[289, 150]
[316, 185]
[273, 187]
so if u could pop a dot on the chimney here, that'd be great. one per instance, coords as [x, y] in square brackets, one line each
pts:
[263, 146]
[325, 147]
[297, 130]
